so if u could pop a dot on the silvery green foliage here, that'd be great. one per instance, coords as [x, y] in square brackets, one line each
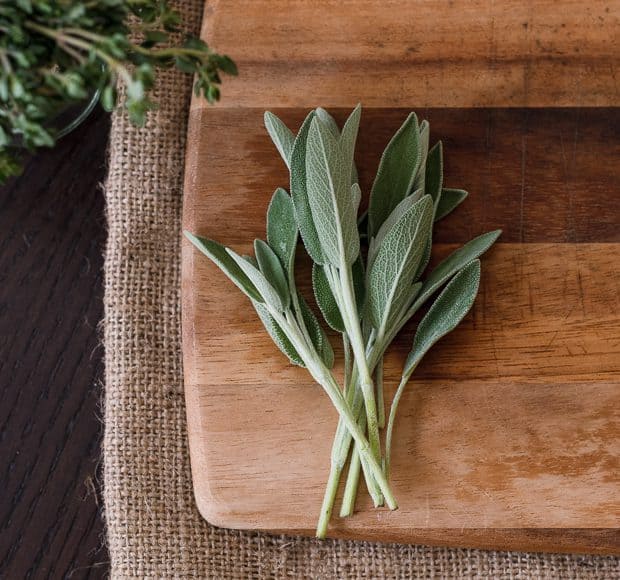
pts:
[449, 200]
[282, 228]
[407, 198]
[281, 136]
[299, 194]
[392, 272]
[333, 207]
[333, 127]
[433, 179]
[388, 224]
[424, 141]
[277, 334]
[317, 334]
[455, 261]
[268, 293]
[219, 255]
[271, 268]
[396, 174]
[445, 314]
[325, 297]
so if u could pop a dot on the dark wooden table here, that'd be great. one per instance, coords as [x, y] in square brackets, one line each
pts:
[52, 236]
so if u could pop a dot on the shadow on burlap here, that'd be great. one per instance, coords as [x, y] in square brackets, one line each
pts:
[153, 527]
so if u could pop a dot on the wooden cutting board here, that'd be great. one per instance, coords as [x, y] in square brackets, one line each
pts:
[508, 436]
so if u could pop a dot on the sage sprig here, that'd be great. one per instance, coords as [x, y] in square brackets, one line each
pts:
[367, 297]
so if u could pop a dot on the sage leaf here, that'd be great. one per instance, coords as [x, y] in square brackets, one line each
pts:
[424, 140]
[277, 334]
[432, 186]
[329, 193]
[317, 335]
[270, 266]
[325, 297]
[268, 293]
[348, 138]
[426, 257]
[281, 136]
[454, 262]
[398, 257]
[333, 127]
[282, 231]
[218, 254]
[388, 224]
[395, 176]
[445, 314]
[328, 120]
[449, 200]
[434, 173]
[299, 194]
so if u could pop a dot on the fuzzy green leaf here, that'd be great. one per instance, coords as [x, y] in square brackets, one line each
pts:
[434, 173]
[398, 257]
[282, 228]
[281, 136]
[449, 200]
[329, 192]
[388, 224]
[348, 138]
[445, 314]
[424, 140]
[299, 194]
[219, 256]
[268, 293]
[328, 120]
[396, 174]
[277, 334]
[317, 334]
[270, 266]
[325, 297]
[454, 262]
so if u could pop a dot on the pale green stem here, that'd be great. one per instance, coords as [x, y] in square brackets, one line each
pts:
[380, 394]
[390, 426]
[351, 318]
[329, 499]
[346, 345]
[325, 378]
[350, 490]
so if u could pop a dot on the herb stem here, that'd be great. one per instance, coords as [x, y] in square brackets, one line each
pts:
[359, 351]
[325, 378]
[350, 490]
[390, 426]
[380, 394]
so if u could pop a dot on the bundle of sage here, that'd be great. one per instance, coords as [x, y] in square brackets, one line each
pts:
[367, 300]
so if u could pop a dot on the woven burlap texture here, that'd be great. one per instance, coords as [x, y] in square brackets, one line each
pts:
[153, 527]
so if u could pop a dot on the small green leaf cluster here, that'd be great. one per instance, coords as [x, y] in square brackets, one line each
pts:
[368, 295]
[54, 53]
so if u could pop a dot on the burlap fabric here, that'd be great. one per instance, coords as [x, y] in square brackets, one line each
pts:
[153, 527]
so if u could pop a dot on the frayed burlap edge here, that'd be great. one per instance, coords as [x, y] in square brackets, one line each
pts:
[153, 527]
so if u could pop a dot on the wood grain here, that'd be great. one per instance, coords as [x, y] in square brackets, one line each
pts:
[508, 437]
[53, 228]
[465, 53]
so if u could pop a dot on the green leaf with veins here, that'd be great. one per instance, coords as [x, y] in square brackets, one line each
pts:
[282, 228]
[333, 208]
[299, 194]
[398, 257]
[449, 200]
[395, 177]
[281, 136]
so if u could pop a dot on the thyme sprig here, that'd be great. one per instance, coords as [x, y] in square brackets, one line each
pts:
[55, 53]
